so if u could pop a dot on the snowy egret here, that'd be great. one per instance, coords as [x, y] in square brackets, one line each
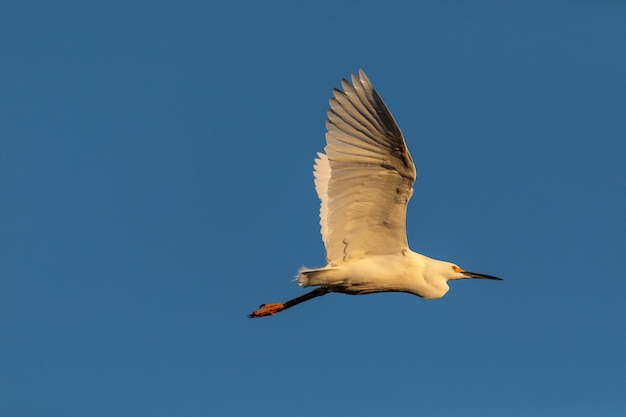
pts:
[364, 181]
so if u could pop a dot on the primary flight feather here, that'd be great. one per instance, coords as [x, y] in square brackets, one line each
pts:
[364, 181]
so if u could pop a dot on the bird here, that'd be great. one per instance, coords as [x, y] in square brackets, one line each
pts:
[364, 180]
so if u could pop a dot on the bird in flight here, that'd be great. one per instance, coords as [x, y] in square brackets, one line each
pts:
[364, 180]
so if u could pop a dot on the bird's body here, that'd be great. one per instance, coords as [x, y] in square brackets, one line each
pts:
[364, 181]
[406, 271]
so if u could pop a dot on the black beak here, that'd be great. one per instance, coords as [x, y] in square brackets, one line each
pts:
[481, 276]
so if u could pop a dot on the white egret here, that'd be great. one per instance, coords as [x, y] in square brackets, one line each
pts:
[364, 181]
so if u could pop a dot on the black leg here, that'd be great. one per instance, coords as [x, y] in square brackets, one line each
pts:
[273, 308]
[318, 292]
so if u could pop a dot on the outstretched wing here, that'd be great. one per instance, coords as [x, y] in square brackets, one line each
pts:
[365, 177]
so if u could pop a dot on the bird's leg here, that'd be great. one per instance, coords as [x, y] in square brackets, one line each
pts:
[273, 308]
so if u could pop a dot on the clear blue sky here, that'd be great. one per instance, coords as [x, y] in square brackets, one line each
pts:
[156, 185]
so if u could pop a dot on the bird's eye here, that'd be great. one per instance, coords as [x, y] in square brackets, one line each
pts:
[456, 268]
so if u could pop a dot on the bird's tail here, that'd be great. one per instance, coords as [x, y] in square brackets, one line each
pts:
[317, 276]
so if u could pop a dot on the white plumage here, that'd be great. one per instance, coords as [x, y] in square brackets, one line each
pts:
[364, 181]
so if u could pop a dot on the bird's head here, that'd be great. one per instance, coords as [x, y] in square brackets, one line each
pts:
[452, 271]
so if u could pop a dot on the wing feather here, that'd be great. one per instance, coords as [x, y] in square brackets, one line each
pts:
[365, 177]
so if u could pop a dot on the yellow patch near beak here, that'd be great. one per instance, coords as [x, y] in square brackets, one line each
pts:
[457, 269]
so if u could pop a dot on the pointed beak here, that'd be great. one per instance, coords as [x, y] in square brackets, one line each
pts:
[481, 276]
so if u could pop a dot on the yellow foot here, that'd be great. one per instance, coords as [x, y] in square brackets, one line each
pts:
[268, 310]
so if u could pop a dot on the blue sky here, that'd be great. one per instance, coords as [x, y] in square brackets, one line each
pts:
[156, 179]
